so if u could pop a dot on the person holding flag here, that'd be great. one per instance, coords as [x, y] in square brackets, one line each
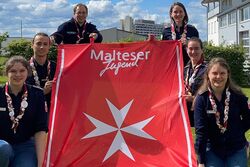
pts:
[23, 124]
[193, 73]
[43, 69]
[77, 30]
[179, 29]
[221, 118]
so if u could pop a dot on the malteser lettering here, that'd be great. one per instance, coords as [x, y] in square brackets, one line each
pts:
[118, 56]
[115, 60]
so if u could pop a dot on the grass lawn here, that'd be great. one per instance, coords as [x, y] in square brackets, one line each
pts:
[3, 60]
[3, 79]
[247, 92]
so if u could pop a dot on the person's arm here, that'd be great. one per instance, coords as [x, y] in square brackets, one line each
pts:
[40, 143]
[196, 32]
[201, 128]
[95, 34]
[40, 124]
[166, 34]
[47, 87]
[245, 113]
[57, 37]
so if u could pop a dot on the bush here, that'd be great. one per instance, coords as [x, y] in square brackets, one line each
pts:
[23, 48]
[235, 57]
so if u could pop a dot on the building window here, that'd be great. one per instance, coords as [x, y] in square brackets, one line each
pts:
[226, 4]
[212, 5]
[245, 13]
[212, 28]
[208, 30]
[231, 18]
[244, 37]
[223, 21]
[215, 27]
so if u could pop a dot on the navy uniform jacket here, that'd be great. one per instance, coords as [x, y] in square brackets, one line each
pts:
[34, 118]
[207, 131]
[191, 32]
[67, 33]
[42, 72]
[198, 79]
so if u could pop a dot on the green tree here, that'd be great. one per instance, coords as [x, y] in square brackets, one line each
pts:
[22, 47]
[3, 37]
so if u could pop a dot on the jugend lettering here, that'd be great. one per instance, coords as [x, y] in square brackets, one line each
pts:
[116, 60]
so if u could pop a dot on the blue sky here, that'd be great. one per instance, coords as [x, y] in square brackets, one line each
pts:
[47, 15]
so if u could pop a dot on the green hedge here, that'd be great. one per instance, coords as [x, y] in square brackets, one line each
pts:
[235, 57]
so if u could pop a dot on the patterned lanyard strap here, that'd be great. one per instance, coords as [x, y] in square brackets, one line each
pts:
[23, 106]
[34, 71]
[222, 127]
[190, 80]
[78, 31]
[183, 35]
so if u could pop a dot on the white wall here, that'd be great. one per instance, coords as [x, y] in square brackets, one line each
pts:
[213, 31]
[228, 35]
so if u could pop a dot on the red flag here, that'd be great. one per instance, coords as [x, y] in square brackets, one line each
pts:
[119, 105]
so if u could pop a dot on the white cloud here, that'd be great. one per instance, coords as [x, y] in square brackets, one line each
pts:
[47, 16]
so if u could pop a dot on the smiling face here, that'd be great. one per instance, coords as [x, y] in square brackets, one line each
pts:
[178, 14]
[218, 76]
[17, 75]
[80, 14]
[194, 51]
[41, 46]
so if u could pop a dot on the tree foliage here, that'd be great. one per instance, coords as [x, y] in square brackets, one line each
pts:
[3, 37]
[23, 48]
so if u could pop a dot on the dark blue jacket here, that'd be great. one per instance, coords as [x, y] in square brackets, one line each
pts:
[67, 33]
[42, 72]
[35, 118]
[191, 32]
[207, 131]
[198, 79]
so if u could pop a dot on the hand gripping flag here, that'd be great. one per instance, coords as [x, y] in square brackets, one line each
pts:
[120, 105]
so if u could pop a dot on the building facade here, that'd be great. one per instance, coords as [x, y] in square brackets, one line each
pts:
[116, 35]
[229, 23]
[142, 27]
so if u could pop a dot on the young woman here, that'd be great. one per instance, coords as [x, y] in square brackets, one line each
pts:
[193, 73]
[23, 124]
[179, 29]
[222, 117]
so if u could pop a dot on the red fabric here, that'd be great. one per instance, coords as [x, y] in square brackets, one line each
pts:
[150, 90]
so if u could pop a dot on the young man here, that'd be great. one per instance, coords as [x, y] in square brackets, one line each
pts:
[77, 30]
[43, 70]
